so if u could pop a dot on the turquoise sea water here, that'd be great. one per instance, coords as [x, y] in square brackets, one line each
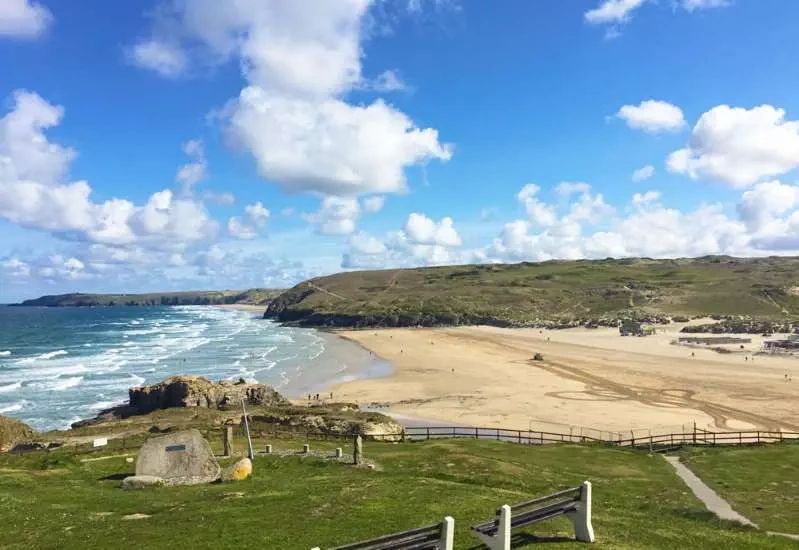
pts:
[59, 365]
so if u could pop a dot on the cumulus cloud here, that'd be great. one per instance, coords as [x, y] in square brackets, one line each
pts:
[23, 18]
[336, 216]
[653, 116]
[767, 222]
[255, 217]
[739, 146]
[643, 173]
[539, 212]
[422, 230]
[373, 204]
[165, 58]
[191, 173]
[645, 198]
[299, 59]
[612, 11]
[35, 191]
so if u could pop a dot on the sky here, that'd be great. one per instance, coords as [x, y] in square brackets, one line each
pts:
[193, 144]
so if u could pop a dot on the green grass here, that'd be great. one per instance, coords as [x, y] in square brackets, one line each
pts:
[529, 293]
[56, 501]
[760, 483]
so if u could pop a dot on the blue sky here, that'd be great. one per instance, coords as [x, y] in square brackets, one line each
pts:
[174, 145]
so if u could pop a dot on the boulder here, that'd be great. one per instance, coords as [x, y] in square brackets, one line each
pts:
[140, 482]
[239, 471]
[180, 458]
[197, 391]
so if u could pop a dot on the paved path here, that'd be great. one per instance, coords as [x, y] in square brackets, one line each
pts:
[711, 499]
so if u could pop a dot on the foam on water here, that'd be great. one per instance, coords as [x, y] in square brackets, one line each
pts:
[72, 362]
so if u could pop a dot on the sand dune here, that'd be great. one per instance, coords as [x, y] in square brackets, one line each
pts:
[589, 378]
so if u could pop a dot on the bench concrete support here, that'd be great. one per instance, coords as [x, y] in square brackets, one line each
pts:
[447, 534]
[581, 518]
[500, 541]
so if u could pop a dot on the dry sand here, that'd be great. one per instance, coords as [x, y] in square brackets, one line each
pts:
[485, 376]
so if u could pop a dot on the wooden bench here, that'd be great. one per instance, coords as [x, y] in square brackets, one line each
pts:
[573, 503]
[434, 537]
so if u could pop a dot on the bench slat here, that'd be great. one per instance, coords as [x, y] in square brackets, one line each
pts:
[575, 493]
[417, 539]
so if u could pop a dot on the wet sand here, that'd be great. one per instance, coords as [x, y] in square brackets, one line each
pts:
[589, 378]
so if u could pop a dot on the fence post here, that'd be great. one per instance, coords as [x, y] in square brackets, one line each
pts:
[520, 437]
[428, 433]
[497, 434]
[541, 435]
[758, 437]
[694, 432]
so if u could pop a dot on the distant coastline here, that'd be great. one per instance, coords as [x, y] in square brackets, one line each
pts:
[253, 296]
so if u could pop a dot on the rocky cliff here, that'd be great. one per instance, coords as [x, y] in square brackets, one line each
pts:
[190, 391]
[13, 431]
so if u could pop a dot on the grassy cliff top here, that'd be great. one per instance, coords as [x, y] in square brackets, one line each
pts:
[527, 293]
[255, 296]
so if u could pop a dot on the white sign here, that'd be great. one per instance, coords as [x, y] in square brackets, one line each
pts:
[101, 442]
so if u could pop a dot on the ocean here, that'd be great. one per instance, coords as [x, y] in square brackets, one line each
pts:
[60, 365]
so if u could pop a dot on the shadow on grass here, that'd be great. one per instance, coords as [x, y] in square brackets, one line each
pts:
[115, 477]
[520, 540]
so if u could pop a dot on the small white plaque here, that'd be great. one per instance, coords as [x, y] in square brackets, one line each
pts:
[101, 442]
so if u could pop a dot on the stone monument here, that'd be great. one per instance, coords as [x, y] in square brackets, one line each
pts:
[181, 458]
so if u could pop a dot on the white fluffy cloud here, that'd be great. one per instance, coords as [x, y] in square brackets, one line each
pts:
[643, 173]
[192, 173]
[653, 116]
[255, 217]
[330, 147]
[299, 59]
[645, 198]
[165, 58]
[612, 11]
[422, 230]
[422, 241]
[35, 192]
[23, 18]
[767, 223]
[373, 204]
[739, 146]
[539, 212]
[336, 216]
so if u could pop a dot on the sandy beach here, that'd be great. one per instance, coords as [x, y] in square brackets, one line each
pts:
[589, 378]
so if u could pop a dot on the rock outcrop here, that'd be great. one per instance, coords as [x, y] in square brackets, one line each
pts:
[12, 432]
[189, 391]
[196, 391]
[370, 425]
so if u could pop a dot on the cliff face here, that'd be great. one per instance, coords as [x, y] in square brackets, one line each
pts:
[196, 391]
[190, 391]
[13, 431]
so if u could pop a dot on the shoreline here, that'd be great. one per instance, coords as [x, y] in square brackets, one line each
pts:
[243, 307]
[589, 379]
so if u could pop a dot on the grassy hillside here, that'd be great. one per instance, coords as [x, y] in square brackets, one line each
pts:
[255, 296]
[54, 500]
[770, 498]
[550, 292]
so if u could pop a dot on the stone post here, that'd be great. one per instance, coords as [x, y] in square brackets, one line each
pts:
[228, 440]
[339, 452]
[306, 449]
[269, 449]
[357, 450]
